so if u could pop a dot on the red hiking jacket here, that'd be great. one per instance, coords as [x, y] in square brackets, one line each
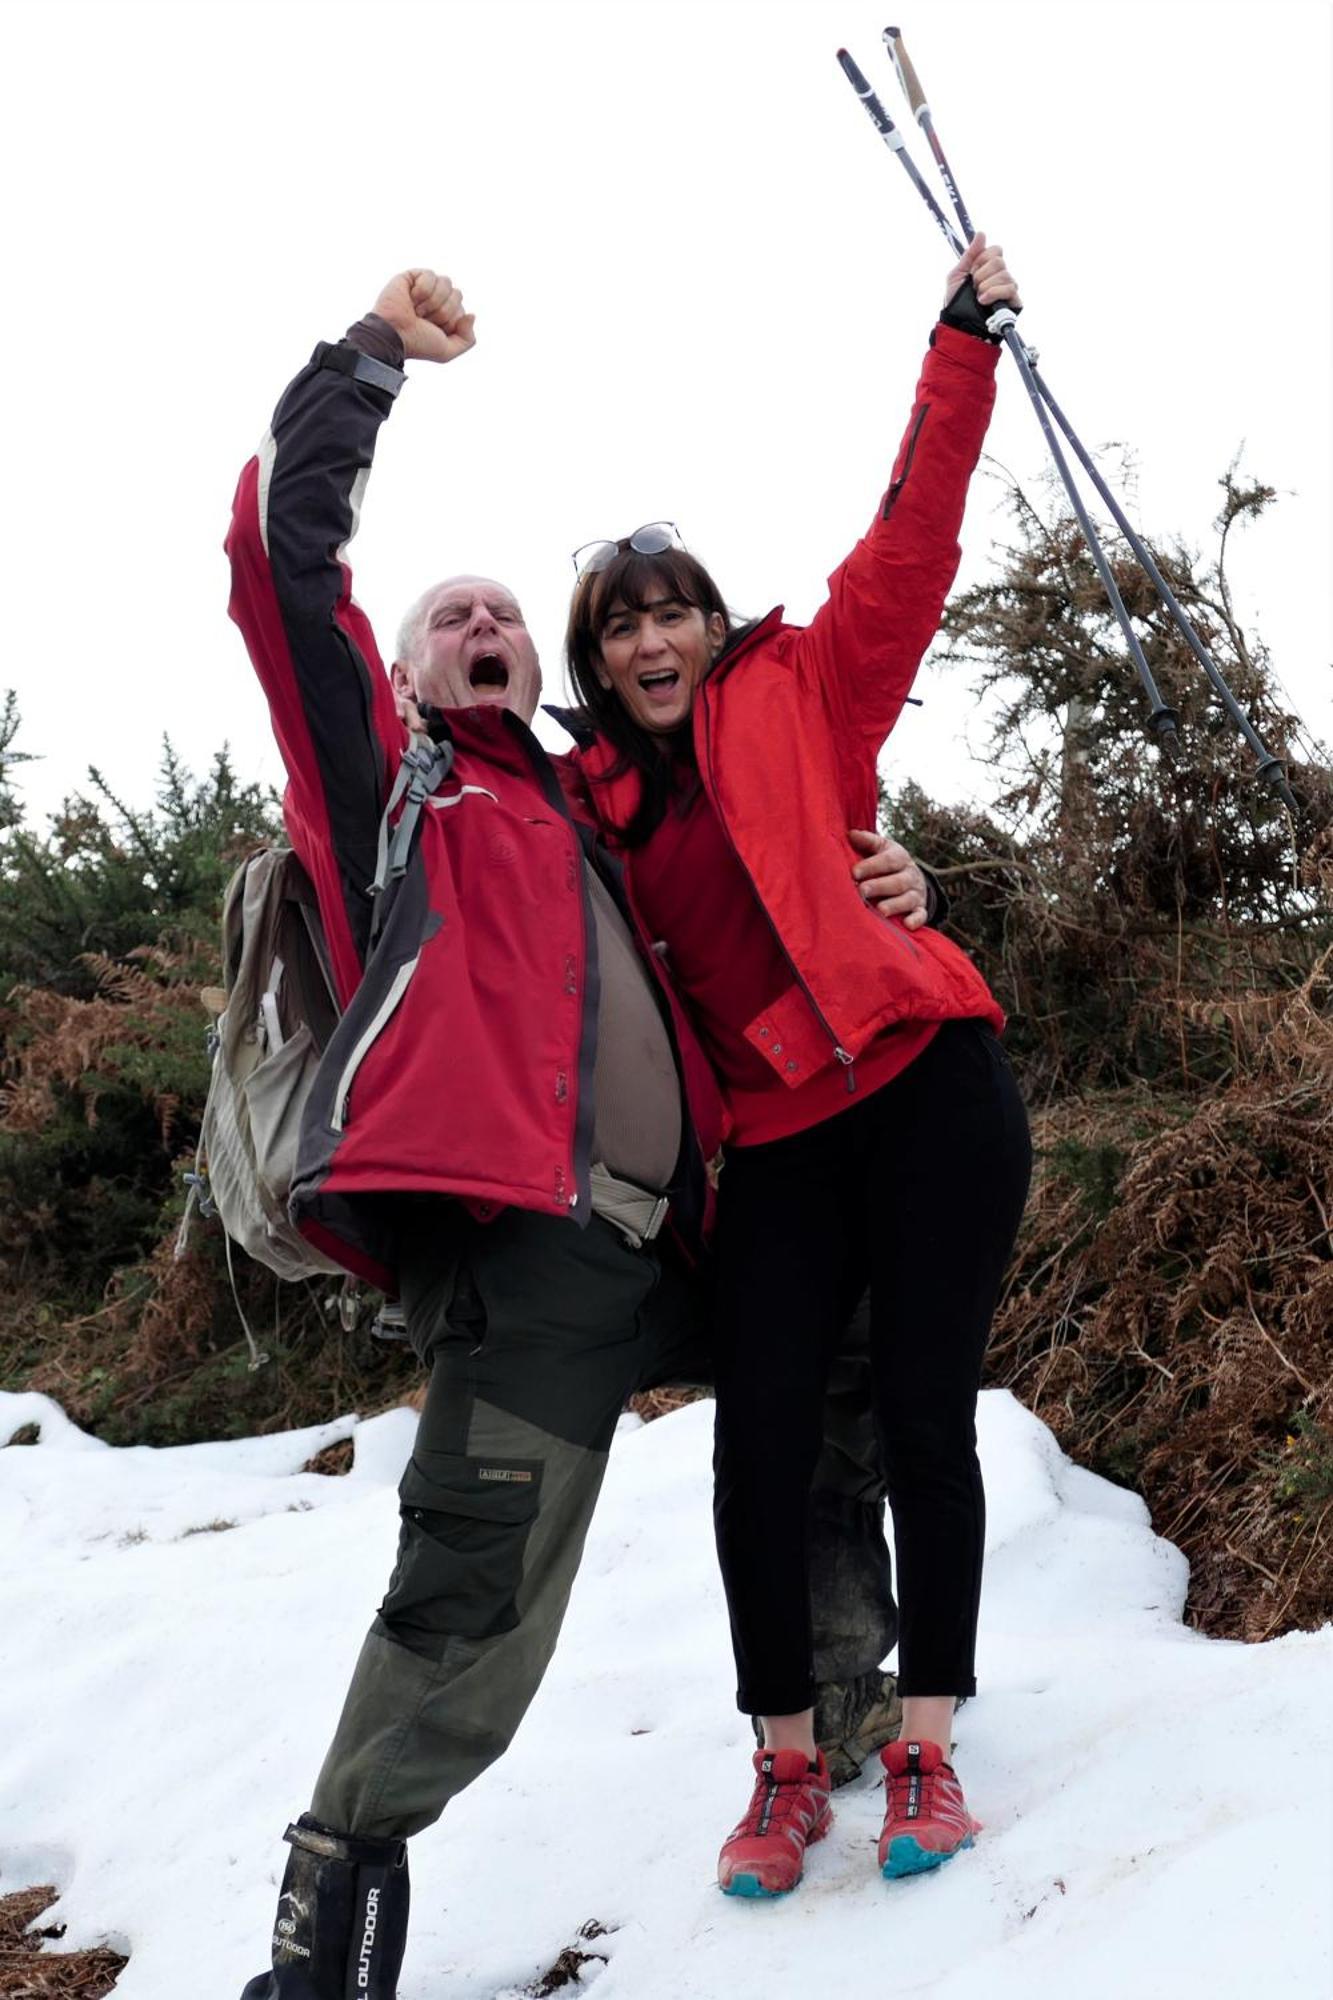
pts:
[787, 728]
[463, 1062]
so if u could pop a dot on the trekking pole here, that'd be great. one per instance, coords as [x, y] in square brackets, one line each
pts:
[916, 99]
[1270, 769]
[894, 140]
[1162, 719]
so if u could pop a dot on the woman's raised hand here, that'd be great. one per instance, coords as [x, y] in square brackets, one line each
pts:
[426, 312]
[992, 280]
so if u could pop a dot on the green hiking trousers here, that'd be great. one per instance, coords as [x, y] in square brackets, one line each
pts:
[536, 1334]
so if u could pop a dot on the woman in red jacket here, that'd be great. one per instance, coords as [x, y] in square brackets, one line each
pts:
[876, 1130]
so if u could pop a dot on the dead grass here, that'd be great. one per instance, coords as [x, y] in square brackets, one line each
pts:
[335, 1461]
[567, 1969]
[162, 1360]
[661, 1402]
[28, 1972]
[1170, 1310]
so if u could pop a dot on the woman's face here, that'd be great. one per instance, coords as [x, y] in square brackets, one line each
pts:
[654, 659]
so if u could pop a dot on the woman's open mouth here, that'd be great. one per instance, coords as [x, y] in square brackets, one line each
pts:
[659, 687]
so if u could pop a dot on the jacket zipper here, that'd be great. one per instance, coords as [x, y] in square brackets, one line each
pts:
[896, 486]
[579, 1202]
[842, 1055]
[374, 1029]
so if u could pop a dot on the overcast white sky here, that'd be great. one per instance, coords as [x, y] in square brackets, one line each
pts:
[702, 289]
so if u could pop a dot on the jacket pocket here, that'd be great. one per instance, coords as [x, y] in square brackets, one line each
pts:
[275, 1094]
[445, 1310]
[904, 467]
[368, 1037]
[464, 1535]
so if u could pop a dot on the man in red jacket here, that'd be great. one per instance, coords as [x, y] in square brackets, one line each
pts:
[504, 1045]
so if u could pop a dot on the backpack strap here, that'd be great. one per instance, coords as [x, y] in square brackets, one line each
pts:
[258, 1354]
[200, 1197]
[424, 768]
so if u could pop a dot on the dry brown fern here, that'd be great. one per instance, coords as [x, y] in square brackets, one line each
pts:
[1176, 1337]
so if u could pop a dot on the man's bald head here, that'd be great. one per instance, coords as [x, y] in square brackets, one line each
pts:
[464, 644]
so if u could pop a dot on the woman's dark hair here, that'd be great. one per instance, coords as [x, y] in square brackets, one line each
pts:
[629, 579]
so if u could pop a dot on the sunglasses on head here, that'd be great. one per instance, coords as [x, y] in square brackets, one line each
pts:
[651, 540]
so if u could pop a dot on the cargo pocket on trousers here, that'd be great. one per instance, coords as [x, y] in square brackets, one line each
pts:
[464, 1535]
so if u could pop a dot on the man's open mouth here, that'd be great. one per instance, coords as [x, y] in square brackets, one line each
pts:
[488, 670]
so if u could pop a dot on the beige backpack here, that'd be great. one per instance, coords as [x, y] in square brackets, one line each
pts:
[275, 1013]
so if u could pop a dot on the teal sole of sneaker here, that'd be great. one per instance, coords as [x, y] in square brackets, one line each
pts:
[906, 1857]
[751, 1887]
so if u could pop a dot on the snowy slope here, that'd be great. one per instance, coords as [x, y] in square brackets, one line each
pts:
[178, 1627]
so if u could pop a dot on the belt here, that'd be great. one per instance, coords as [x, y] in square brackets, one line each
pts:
[636, 1212]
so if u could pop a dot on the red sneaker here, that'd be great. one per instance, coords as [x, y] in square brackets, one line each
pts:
[926, 1820]
[764, 1855]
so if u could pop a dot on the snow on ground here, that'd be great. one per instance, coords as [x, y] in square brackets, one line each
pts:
[178, 1627]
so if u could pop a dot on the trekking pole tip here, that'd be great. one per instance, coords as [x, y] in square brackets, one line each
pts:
[1272, 774]
[1165, 725]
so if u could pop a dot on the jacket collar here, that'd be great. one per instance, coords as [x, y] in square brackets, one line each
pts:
[739, 642]
[576, 722]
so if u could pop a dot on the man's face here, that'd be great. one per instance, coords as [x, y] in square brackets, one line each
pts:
[474, 651]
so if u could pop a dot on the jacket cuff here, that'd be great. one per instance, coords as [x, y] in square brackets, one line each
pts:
[979, 357]
[375, 337]
[937, 901]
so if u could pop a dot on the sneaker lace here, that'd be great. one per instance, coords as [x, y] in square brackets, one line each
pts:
[912, 1794]
[772, 1799]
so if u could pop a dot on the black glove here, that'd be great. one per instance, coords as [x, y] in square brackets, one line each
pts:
[966, 312]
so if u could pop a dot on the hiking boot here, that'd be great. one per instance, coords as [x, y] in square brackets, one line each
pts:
[926, 1820]
[342, 1919]
[765, 1853]
[869, 1716]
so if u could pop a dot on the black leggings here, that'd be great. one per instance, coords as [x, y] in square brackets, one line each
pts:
[918, 1188]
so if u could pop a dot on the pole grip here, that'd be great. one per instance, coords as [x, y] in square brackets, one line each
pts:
[875, 111]
[907, 76]
[854, 74]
